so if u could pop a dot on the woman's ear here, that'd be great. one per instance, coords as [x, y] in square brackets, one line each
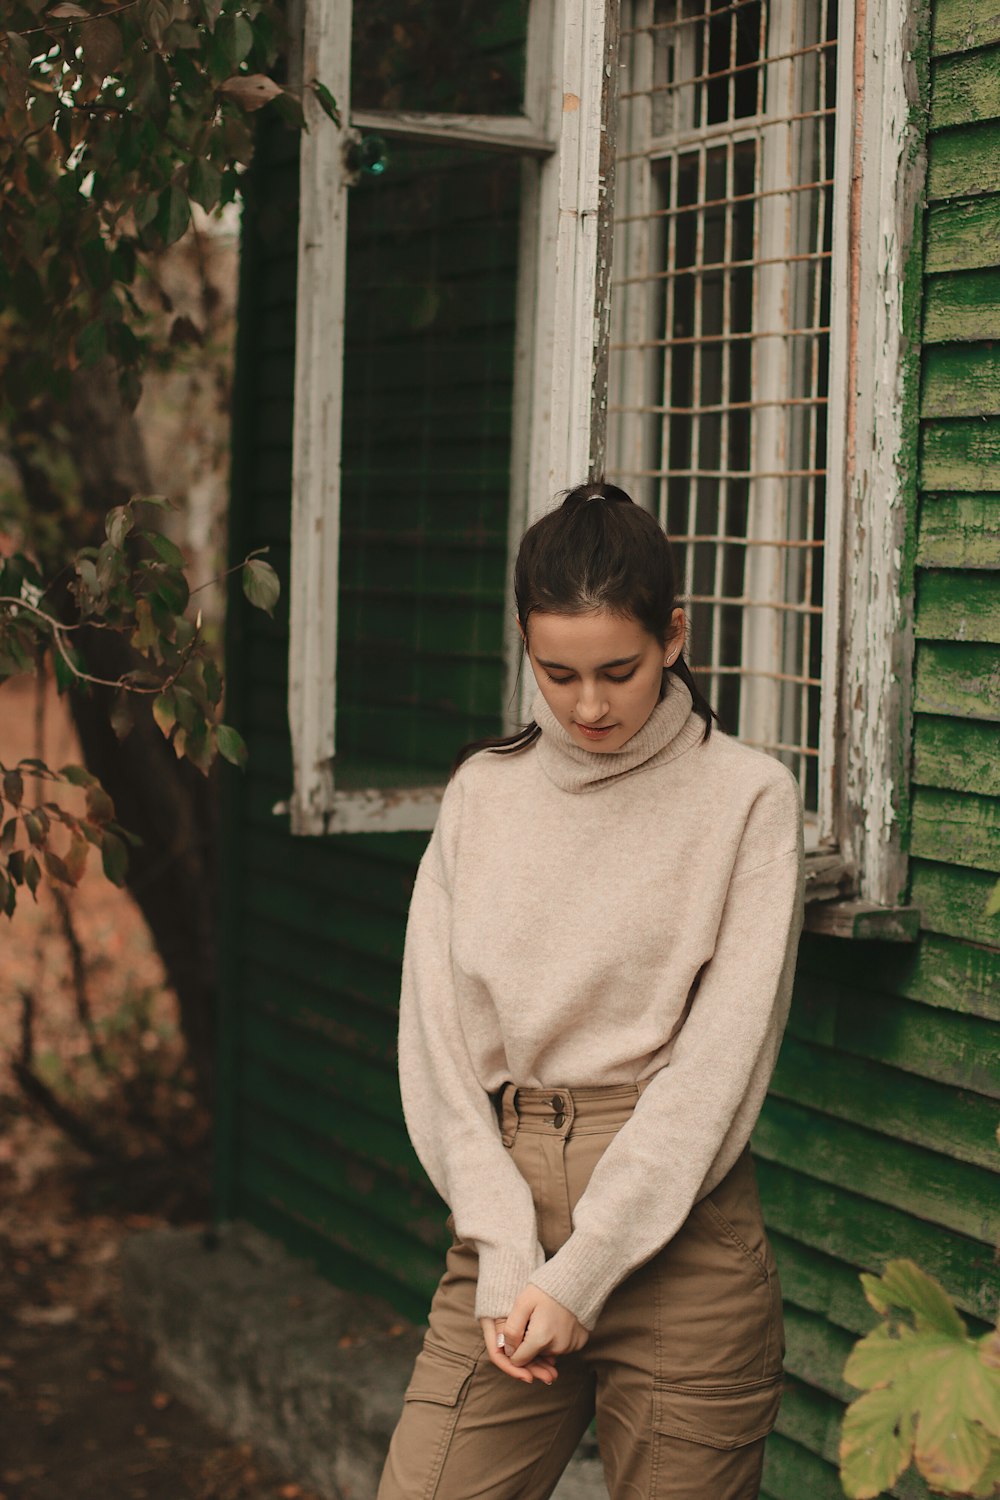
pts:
[678, 636]
[520, 627]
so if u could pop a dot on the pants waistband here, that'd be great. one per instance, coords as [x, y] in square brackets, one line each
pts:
[559, 1110]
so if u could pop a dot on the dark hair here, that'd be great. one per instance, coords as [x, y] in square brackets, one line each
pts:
[597, 550]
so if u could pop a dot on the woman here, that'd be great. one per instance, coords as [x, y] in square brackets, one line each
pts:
[597, 971]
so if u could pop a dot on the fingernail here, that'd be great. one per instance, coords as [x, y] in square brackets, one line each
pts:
[501, 1343]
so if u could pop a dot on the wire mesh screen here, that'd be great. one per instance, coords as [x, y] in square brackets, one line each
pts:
[720, 338]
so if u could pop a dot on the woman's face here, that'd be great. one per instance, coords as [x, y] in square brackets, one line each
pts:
[599, 673]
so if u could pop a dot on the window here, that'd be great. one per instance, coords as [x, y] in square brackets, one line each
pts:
[753, 376]
[720, 340]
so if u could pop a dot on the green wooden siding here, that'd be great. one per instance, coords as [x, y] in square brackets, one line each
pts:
[877, 1138]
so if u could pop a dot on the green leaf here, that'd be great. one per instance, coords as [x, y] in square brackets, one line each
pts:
[164, 712]
[261, 584]
[8, 835]
[35, 829]
[99, 804]
[154, 17]
[77, 775]
[903, 1285]
[166, 550]
[204, 184]
[876, 1442]
[121, 716]
[114, 857]
[118, 523]
[326, 101]
[42, 110]
[173, 214]
[13, 787]
[236, 36]
[56, 867]
[32, 873]
[231, 745]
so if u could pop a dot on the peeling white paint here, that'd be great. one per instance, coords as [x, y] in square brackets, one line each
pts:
[876, 631]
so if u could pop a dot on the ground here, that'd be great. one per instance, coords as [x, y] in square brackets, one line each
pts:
[84, 1412]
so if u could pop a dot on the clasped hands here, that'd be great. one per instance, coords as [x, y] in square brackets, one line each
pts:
[535, 1331]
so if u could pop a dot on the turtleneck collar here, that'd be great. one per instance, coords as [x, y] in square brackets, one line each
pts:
[671, 728]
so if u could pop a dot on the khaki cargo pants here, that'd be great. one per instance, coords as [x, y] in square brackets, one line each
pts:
[683, 1369]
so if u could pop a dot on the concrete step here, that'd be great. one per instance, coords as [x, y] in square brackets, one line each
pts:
[270, 1351]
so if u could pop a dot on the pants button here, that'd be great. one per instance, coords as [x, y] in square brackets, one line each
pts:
[557, 1102]
[559, 1121]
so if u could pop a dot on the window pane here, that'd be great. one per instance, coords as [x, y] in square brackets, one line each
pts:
[428, 370]
[720, 339]
[458, 56]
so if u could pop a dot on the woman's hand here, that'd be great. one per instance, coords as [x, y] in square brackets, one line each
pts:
[539, 1327]
[543, 1369]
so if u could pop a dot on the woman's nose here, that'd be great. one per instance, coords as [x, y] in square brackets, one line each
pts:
[591, 706]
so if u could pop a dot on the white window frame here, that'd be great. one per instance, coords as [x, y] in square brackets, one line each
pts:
[561, 127]
[867, 634]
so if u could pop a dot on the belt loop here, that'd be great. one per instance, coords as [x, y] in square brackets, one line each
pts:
[508, 1114]
[643, 1083]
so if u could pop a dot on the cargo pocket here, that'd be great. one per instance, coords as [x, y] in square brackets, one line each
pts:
[438, 1376]
[432, 1404]
[717, 1416]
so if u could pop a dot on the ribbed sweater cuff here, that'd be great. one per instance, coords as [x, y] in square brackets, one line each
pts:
[581, 1276]
[503, 1272]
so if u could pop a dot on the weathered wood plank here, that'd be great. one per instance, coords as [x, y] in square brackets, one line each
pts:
[956, 1049]
[960, 455]
[367, 1240]
[959, 531]
[356, 1183]
[908, 1109]
[817, 1353]
[303, 1052]
[943, 972]
[344, 1125]
[959, 381]
[866, 1234]
[963, 163]
[953, 901]
[820, 1283]
[965, 89]
[962, 304]
[963, 236]
[957, 679]
[961, 25]
[956, 1195]
[957, 828]
[958, 754]
[339, 1264]
[957, 606]
[791, 1471]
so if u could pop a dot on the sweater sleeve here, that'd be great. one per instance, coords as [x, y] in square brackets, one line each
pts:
[449, 1115]
[695, 1116]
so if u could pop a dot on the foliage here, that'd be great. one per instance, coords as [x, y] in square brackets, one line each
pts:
[932, 1393]
[116, 119]
[133, 584]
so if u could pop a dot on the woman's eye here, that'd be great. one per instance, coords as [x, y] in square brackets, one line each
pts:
[610, 677]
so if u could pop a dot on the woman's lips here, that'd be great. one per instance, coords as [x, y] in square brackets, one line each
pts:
[595, 734]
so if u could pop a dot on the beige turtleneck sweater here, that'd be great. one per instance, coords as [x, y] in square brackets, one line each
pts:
[586, 917]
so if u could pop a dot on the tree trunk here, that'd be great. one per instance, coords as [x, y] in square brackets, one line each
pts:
[169, 804]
